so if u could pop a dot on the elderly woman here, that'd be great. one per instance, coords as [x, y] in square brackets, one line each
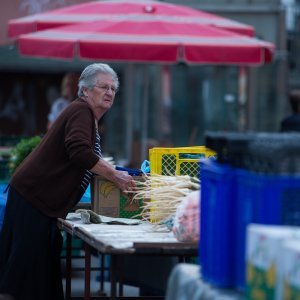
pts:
[49, 183]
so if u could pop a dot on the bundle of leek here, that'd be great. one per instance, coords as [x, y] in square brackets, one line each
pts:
[162, 194]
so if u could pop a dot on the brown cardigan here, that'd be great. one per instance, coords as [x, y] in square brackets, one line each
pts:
[51, 175]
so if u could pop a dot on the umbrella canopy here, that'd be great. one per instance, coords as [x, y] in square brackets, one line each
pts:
[122, 10]
[151, 41]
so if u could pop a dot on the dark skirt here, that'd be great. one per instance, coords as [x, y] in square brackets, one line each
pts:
[30, 246]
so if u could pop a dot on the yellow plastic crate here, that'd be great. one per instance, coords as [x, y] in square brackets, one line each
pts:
[178, 161]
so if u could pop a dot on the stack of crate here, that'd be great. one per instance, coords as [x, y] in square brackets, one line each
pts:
[256, 179]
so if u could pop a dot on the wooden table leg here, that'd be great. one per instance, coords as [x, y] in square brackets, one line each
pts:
[87, 273]
[102, 270]
[68, 265]
[113, 277]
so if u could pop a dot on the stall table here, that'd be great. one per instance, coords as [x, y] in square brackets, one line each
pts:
[118, 241]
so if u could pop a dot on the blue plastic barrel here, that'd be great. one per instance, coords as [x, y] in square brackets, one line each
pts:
[217, 223]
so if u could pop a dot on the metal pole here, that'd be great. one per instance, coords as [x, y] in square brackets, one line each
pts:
[166, 103]
[282, 78]
[242, 98]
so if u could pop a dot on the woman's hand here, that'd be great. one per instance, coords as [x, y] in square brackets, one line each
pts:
[121, 179]
[124, 181]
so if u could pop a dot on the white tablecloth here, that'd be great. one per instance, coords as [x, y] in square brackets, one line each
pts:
[123, 236]
[185, 283]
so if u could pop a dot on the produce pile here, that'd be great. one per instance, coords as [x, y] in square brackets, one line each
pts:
[162, 194]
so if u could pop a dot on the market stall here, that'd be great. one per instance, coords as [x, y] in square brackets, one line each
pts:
[134, 238]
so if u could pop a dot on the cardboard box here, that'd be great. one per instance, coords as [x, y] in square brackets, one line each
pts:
[289, 286]
[264, 259]
[107, 199]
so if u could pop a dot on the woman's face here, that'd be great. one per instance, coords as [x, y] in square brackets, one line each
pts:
[101, 96]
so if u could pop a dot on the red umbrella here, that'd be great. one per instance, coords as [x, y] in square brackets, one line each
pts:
[118, 10]
[140, 31]
[156, 42]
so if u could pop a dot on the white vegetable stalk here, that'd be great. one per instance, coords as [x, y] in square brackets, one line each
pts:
[162, 194]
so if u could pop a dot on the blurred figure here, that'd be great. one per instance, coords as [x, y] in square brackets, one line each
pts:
[292, 122]
[13, 112]
[69, 87]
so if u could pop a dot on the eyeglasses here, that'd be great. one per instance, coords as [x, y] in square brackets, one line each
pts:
[106, 88]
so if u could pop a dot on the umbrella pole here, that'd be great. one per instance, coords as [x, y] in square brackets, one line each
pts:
[129, 71]
[144, 132]
[242, 98]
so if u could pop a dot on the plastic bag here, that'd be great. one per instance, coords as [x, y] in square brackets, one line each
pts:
[186, 226]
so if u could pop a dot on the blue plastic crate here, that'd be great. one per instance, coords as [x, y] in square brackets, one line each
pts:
[263, 199]
[217, 222]
[3, 198]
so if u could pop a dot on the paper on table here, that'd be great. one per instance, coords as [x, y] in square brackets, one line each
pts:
[121, 236]
[106, 220]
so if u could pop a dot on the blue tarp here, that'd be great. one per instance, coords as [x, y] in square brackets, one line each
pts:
[2, 202]
[86, 198]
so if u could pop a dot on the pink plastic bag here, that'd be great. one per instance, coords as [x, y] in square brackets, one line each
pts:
[186, 226]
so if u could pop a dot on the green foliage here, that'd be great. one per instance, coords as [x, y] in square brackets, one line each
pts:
[22, 149]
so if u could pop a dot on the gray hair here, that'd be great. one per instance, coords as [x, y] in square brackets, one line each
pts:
[88, 76]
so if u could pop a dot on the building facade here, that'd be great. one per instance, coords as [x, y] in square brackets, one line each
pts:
[162, 110]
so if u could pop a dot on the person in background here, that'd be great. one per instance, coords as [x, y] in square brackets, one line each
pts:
[292, 122]
[49, 183]
[69, 87]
